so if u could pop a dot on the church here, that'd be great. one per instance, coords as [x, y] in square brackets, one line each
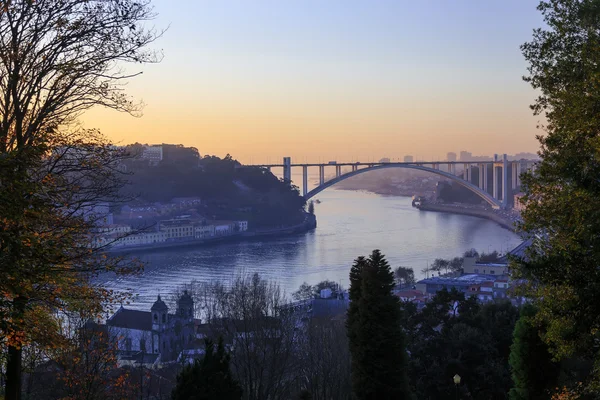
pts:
[155, 334]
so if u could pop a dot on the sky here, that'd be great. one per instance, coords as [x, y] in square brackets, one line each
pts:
[346, 80]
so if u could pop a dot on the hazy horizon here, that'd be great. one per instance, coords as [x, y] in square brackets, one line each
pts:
[335, 80]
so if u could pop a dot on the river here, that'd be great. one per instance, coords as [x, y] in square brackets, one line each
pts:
[350, 224]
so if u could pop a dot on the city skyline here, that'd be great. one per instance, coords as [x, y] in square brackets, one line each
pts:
[339, 80]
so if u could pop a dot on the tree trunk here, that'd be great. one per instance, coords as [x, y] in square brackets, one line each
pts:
[13, 373]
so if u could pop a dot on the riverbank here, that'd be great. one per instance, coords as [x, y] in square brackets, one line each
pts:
[309, 223]
[473, 212]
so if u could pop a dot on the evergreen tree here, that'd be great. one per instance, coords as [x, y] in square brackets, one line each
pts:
[534, 373]
[209, 379]
[562, 195]
[377, 343]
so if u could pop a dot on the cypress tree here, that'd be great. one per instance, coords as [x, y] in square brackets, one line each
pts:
[377, 343]
[208, 379]
[533, 372]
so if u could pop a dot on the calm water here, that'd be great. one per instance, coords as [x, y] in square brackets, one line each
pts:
[349, 224]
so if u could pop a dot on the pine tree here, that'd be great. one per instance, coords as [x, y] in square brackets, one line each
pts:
[377, 343]
[534, 373]
[208, 379]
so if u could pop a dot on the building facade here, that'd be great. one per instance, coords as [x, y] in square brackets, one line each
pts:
[155, 331]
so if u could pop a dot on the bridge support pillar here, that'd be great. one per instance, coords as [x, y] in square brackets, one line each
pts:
[485, 178]
[480, 183]
[505, 188]
[452, 169]
[287, 169]
[494, 181]
[514, 166]
[304, 180]
[354, 168]
[338, 171]
[268, 169]
[467, 173]
[321, 174]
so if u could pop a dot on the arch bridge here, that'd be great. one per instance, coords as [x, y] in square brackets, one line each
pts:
[499, 169]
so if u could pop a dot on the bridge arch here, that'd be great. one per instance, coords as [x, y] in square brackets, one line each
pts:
[484, 195]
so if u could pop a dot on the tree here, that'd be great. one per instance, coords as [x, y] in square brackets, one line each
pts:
[326, 284]
[304, 292]
[404, 276]
[324, 359]
[57, 60]
[456, 264]
[454, 334]
[562, 193]
[379, 360]
[208, 379]
[534, 374]
[251, 314]
[471, 253]
[311, 207]
[440, 264]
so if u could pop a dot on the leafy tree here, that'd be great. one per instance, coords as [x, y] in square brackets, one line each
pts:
[456, 264]
[455, 334]
[304, 292]
[311, 207]
[489, 257]
[534, 373]
[471, 253]
[562, 195]
[208, 379]
[440, 264]
[326, 284]
[379, 359]
[58, 60]
[404, 276]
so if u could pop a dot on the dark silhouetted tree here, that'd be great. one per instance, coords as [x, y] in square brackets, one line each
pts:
[377, 342]
[404, 276]
[533, 372]
[562, 194]
[208, 379]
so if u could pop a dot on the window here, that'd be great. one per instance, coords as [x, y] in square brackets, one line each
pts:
[164, 318]
[493, 272]
[155, 318]
[476, 270]
[128, 344]
[143, 345]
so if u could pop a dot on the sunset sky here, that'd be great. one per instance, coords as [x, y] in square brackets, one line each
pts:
[335, 79]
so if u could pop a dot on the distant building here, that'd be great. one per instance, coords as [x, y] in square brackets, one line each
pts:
[177, 228]
[204, 231]
[155, 331]
[408, 158]
[451, 156]
[153, 154]
[224, 228]
[466, 156]
[471, 266]
[242, 226]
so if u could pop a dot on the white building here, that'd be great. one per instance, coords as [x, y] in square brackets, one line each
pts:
[224, 228]
[152, 153]
[204, 231]
[242, 226]
[155, 331]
